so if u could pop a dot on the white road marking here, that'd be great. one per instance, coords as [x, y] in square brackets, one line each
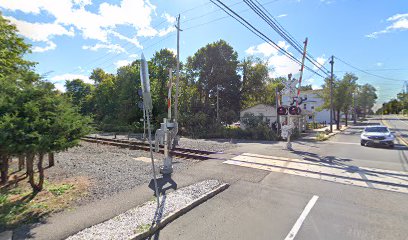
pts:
[402, 121]
[348, 143]
[333, 172]
[292, 234]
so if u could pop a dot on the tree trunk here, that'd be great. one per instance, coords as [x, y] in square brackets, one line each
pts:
[338, 119]
[346, 115]
[40, 184]
[4, 168]
[21, 162]
[51, 161]
[30, 169]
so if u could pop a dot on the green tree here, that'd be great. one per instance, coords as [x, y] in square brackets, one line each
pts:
[216, 65]
[80, 94]
[366, 97]
[12, 50]
[37, 120]
[347, 87]
[254, 80]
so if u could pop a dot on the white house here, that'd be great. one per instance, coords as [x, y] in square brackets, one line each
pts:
[310, 106]
[268, 112]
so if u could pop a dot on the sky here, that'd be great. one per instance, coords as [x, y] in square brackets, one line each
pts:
[70, 38]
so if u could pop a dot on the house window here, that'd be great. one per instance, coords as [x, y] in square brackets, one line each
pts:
[304, 106]
[312, 107]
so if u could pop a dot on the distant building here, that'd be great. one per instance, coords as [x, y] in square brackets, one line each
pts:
[310, 106]
[267, 111]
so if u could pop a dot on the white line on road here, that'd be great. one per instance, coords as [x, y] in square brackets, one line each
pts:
[292, 234]
[402, 121]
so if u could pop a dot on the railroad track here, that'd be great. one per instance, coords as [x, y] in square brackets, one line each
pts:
[138, 145]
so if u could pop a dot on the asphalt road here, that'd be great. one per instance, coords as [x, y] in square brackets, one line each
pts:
[263, 204]
[272, 207]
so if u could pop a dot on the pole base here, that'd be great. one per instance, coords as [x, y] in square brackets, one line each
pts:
[166, 170]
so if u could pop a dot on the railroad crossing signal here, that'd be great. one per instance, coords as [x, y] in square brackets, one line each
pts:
[293, 110]
[282, 111]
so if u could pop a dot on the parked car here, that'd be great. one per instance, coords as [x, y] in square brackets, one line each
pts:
[377, 135]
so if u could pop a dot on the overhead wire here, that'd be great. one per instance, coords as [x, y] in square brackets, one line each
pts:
[257, 32]
[368, 73]
[265, 15]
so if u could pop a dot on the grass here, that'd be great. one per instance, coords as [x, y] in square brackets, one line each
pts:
[19, 205]
[143, 228]
[321, 136]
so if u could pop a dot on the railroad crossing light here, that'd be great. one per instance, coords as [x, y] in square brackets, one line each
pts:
[293, 110]
[282, 111]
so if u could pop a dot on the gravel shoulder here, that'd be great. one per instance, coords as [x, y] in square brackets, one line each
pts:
[110, 169]
[141, 218]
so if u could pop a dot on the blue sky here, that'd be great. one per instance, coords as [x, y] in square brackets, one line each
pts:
[72, 37]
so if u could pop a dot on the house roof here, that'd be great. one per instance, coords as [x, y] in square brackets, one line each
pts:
[266, 105]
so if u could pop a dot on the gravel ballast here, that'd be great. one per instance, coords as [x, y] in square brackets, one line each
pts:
[110, 169]
[214, 145]
[140, 219]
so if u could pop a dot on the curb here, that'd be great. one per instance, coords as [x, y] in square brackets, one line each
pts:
[328, 135]
[172, 216]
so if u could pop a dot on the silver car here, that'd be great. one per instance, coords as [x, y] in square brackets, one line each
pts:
[377, 135]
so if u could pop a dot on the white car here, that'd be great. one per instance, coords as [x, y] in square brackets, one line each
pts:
[379, 135]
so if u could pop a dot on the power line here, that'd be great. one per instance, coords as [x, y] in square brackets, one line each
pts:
[261, 35]
[368, 73]
[271, 21]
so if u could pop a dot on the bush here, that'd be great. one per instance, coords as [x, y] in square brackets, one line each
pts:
[321, 136]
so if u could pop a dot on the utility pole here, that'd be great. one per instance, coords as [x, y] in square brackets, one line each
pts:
[218, 106]
[301, 72]
[177, 70]
[354, 108]
[331, 94]
[277, 105]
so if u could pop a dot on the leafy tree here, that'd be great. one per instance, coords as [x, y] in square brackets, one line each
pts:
[12, 50]
[35, 121]
[366, 97]
[161, 63]
[306, 87]
[216, 65]
[254, 80]
[127, 85]
[347, 87]
[80, 94]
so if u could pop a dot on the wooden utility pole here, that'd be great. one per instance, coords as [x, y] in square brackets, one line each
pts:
[331, 94]
[218, 105]
[177, 70]
[301, 72]
[277, 105]
[354, 108]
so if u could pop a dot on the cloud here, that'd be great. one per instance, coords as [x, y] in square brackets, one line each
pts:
[112, 48]
[280, 64]
[320, 62]
[379, 64]
[282, 15]
[96, 25]
[68, 76]
[41, 32]
[170, 19]
[133, 41]
[133, 56]
[122, 63]
[398, 22]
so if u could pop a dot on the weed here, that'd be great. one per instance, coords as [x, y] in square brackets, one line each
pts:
[58, 190]
[321, 137]
[143, 228]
